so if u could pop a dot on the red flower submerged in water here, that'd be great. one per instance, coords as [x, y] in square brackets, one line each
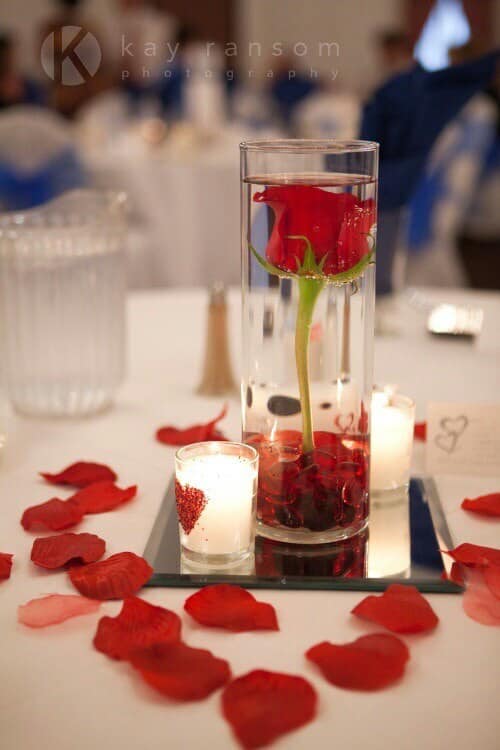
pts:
[337, 225]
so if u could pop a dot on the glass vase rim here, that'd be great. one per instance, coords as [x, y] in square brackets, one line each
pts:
[214, 448]
[309, 145]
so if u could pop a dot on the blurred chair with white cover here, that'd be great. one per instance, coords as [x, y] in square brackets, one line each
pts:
[444, 194]
[38, 158]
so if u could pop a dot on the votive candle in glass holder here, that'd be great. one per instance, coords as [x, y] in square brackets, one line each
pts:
[392, 423]
[215, 491]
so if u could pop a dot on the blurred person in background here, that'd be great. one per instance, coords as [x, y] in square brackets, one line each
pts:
[479, 239]
[15, 88]
[148, 32]
[394, 51]
[63, 96]
[288, 89]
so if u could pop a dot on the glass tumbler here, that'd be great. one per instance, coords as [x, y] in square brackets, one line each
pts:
[215, 491]
[62, 304]
[309, 217]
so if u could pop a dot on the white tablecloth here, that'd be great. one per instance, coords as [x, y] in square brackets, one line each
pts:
[57, 692]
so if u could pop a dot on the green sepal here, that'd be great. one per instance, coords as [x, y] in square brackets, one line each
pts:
[310, 268]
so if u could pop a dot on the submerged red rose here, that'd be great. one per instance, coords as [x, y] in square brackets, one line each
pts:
[81, 474]
[179, 671]
[197, 433]
[261, 706]
[53, 552]
[5, 565]
[117, 577]
[102, 496]
[138, 625]
[485, 505]
[232, 608]
[337, 225]
[371, 662]
[401, 609]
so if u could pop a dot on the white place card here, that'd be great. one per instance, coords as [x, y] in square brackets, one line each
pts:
[463, 438]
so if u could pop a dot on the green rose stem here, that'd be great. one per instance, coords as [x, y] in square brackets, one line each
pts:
[309, 291]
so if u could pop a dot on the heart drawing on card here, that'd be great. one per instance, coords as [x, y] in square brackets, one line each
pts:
[452, 428]
[344, 422]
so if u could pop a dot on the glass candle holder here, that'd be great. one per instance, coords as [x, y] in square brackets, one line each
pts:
[392, 424]
[215, 491]
[309, 213]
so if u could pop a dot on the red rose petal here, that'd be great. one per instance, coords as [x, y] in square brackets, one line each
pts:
[401, 609]
[456, 574]
[81, 474]
[53, 609]
[262, 705]
[197, 433]
[54, 514]
[55, 551]
[101, 497]
[138, 625]
[474, 555]
[5, 565]
[371, 662]
[479, 602]
[420, 431]
[230, 607]
[179, 671]
[491, 577]
[117, 577]
[485, 505]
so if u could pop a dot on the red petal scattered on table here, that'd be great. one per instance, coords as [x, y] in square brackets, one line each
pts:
[371, 662]
[117, 577]
[55, 551]
[491, 577]
[485, 505]
[232, 608]
[102, 496]
[53, 609]
[456, 574]
[179, 671]
[81, 474]
[5, 565]
[420, 431]
[473, 555]
[262, 705]
[195, 434]
[479, 602]
[138, 625]
[54, 514]
[401, 609]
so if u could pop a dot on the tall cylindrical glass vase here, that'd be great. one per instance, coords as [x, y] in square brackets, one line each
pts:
[308, 232]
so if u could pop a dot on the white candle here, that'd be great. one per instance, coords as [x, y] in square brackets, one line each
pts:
[218, 518]
[392, 421]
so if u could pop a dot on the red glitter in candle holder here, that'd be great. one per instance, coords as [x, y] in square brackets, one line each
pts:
[190, 505]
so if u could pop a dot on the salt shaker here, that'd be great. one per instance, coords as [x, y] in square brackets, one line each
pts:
[217, 378]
